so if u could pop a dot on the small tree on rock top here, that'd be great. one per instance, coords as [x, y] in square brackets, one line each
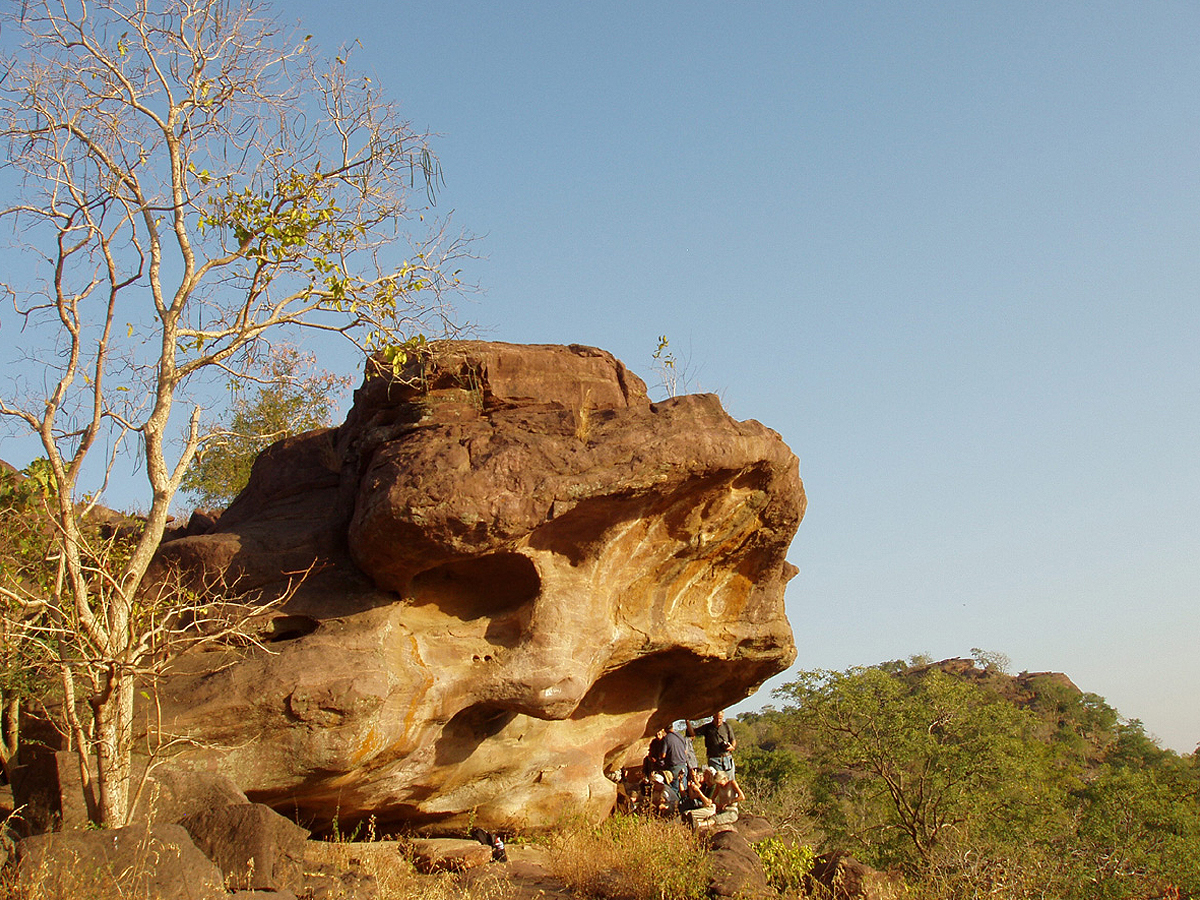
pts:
[287, 397]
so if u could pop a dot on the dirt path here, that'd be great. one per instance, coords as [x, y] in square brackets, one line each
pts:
[527, 871]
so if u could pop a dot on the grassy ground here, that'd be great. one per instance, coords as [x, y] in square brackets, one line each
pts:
[631, 856]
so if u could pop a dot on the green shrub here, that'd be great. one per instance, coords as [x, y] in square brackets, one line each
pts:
[786, 864]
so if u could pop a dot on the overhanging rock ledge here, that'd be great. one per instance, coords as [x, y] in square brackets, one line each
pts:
[519, 567]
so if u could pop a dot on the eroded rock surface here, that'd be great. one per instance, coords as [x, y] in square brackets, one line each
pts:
[518, 568]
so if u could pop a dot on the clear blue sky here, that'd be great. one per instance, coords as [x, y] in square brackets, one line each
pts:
[948, 251]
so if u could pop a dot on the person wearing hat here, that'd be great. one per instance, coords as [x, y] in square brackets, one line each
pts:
[664, 799]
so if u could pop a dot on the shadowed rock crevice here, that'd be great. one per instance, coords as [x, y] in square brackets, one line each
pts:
[468, 729]
[520, 568]
[489, 585]
[289, 628]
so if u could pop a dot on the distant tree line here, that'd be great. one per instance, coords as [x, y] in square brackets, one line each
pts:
[975, 783]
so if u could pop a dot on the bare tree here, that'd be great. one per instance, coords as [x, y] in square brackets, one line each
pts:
[196, 183]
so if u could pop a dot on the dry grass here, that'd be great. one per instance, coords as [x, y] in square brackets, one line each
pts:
[395, 876]
[583, 418]
[393, 873]
[56, 879]
[631, 856]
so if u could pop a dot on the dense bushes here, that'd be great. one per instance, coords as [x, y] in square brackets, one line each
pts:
[972, 782]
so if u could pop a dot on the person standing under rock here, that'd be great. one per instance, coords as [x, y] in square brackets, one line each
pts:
[654, 755]
[693, 764]
[719, 743]
[675, 757]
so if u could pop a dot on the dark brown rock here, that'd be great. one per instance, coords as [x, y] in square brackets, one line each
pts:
[754, 828]
[169, 794]
[255, 847]
[448, 854]
[38, 792]
[842, 877]
[160, 862]
[517, 567]
[52, 793]
[737, 870]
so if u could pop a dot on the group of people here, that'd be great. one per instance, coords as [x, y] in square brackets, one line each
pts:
[671, 782]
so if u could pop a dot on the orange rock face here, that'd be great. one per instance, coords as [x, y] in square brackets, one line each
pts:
[519, 567]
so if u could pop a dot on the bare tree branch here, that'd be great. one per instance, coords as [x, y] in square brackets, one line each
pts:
[196, 181]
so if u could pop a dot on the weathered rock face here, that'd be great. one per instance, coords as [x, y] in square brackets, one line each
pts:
[518, 568]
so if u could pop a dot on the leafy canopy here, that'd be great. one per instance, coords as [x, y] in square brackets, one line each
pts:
[977, 783]
[191, 184]
[289, 396]
[906, 760]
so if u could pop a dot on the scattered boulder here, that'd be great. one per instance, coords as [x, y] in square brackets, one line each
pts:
[255, 847]
[754, 828]
[170, 794]
[516, 568]
[36, 793]
[737, 870]
[448, 854]
[200, 522]
[51, 790]
[51, 793]
[842, 877]
[159, 861]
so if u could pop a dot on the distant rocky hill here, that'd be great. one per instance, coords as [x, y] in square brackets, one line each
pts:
[1068, 713]
[1024, 689]
[518, 567]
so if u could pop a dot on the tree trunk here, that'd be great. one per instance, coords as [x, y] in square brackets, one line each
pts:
[114, 748]
[10, 734]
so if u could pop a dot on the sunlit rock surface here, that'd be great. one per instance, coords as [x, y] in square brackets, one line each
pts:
[517, 568]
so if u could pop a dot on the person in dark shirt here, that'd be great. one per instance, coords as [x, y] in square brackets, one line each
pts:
[674, 756]
[654, 755]
[719, 743]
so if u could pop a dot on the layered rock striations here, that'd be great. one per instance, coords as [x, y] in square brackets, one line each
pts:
[512, 567]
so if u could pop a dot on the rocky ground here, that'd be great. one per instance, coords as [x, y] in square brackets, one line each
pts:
[527, 874]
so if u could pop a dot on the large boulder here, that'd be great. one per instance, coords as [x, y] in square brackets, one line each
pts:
[737, 870]
[135, 861]
[255, 847]
[840, 876]
[502, 572]
[169, 794]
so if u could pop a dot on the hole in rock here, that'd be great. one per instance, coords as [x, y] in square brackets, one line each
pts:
[289, 628]
[467, 730]
[483, 586]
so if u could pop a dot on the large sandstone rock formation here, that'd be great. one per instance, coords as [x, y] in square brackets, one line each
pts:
[518, 567]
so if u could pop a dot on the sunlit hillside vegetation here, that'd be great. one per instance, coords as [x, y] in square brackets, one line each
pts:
[975, 783]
